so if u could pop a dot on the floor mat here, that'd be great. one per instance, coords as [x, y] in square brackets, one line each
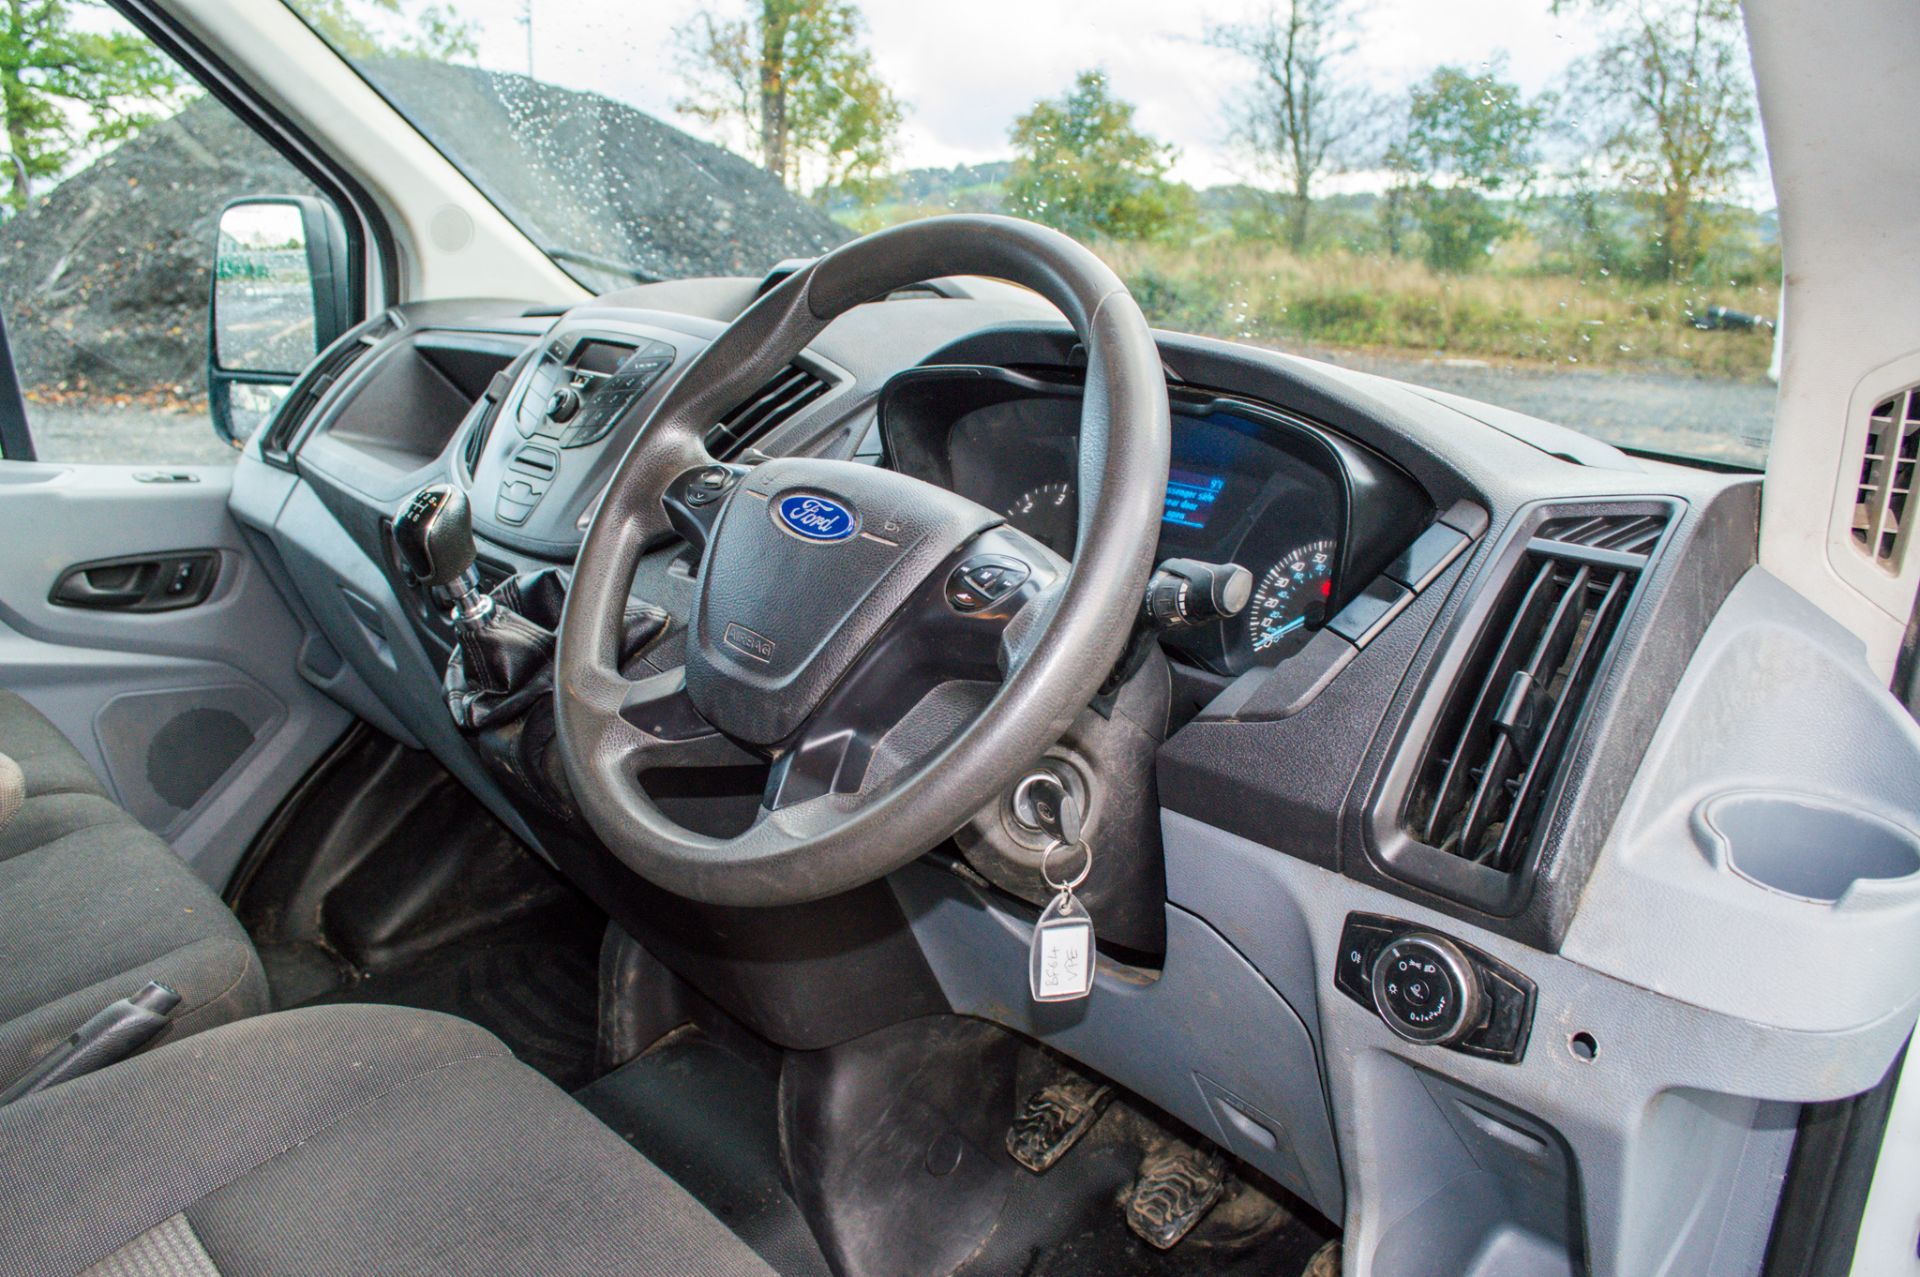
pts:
[538, 998]
[709, 1118]
[1069, 1222]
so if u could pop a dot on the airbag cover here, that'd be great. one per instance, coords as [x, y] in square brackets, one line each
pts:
[807, 564]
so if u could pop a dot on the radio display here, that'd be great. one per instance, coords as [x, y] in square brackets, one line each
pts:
[600, 356]
[1190, 497]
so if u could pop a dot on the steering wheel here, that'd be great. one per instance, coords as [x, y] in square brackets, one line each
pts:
[849, 620]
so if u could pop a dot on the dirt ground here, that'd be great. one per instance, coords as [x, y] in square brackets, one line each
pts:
[1725, 421]
[1717, 420]
[133, 436]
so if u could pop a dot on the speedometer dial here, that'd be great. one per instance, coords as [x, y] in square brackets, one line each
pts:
[1291, 598]
[1048, 513]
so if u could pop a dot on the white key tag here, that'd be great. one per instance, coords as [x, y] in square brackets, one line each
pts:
[1061, 962]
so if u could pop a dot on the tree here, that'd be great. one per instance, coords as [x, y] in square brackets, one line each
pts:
[1082, 167]
[1466, 137]
[1297, 119]
[63, 88]
[353, 27]
[1673, 82]
[794, 77]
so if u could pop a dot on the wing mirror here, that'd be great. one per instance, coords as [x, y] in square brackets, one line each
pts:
[282, 292]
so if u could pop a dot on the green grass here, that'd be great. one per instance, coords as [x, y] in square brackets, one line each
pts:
[1254, 292]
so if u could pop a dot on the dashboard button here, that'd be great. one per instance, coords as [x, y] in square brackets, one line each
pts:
[984, 579]
[1360, 943]
[1429, 554]
[987, 579]
[1369, 613]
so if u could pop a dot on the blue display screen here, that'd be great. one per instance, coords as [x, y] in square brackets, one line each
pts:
[1190, 497]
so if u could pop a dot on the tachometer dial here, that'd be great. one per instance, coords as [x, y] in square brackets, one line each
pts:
[1049, 513]
[1291, 598]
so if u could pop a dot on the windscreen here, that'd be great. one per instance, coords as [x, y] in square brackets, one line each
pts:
[1557, 206]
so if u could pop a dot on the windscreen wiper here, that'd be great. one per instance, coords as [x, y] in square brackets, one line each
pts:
[607, 264]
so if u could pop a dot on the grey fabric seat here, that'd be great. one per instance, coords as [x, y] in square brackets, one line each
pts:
[338, 1140]
[92, 906]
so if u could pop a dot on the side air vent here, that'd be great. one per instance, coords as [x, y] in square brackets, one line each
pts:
[1486, 775]
[482, 429]
[1880, 527]
[775, 403]
[317, 381]
[477, 437]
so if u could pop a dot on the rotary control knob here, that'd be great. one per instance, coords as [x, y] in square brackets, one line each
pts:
[564, 404]
[1426, 989]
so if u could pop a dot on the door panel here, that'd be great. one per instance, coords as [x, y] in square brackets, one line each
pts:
[192, 712]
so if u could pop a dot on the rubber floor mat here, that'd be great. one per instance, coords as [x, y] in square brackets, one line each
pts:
[540, 999]
[1070, 1222]
[710, 1120]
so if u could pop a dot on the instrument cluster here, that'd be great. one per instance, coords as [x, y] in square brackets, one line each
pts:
[1246, 485]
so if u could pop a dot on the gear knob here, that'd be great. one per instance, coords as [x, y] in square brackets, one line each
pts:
[434, 531]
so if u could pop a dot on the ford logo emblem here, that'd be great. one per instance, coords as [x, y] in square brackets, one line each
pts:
[814, 518]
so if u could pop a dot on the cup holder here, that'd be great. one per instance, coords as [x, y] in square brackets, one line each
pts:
[1803, 847]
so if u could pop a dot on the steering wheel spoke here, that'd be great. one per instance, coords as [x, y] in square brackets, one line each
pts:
[952, 631]
[668, 730]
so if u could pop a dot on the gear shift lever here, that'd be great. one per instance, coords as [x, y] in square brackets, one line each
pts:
[434, 531]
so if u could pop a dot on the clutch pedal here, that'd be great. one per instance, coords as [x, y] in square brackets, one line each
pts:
[1053, 1119]
[1177, 1185]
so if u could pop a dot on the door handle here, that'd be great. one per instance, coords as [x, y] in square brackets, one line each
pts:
[139, 583]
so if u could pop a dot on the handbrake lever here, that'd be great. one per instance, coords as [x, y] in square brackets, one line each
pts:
[108, 1037]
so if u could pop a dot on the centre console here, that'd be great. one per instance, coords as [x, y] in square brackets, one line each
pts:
[579, 387]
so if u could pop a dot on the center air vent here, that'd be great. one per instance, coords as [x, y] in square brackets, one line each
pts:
[775, 403]
[1486, 774]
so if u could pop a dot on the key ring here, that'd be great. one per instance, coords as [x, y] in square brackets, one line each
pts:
[1047, 856]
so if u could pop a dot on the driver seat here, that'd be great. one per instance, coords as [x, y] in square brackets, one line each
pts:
[337, 1140]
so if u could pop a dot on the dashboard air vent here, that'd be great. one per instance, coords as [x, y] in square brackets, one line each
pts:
[497, 391]
[790, 390]
[1880, 527]
[318, 380]
[1494, 758]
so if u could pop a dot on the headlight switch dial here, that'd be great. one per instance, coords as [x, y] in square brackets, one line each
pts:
[1435, 990]
[1426, 989]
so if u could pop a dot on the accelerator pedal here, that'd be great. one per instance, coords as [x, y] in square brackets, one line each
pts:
[1053, 1119]
[1176, 1187]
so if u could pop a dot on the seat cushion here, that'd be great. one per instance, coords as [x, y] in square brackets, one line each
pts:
[47, 759]
[92, 906]
[337, 1140]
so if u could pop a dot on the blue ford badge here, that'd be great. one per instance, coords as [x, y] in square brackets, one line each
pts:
[816, 518]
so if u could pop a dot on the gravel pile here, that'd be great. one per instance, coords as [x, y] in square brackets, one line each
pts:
[105, 279]
[604, 180]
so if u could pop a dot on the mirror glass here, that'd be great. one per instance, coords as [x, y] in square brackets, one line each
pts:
[263, 307]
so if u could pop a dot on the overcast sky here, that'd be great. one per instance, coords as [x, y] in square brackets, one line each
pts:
[967, 69]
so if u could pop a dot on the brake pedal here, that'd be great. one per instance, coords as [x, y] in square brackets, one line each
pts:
[1177, 1185]
[1053, 1119]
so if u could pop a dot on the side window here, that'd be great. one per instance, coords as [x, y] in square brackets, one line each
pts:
[116, 170]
